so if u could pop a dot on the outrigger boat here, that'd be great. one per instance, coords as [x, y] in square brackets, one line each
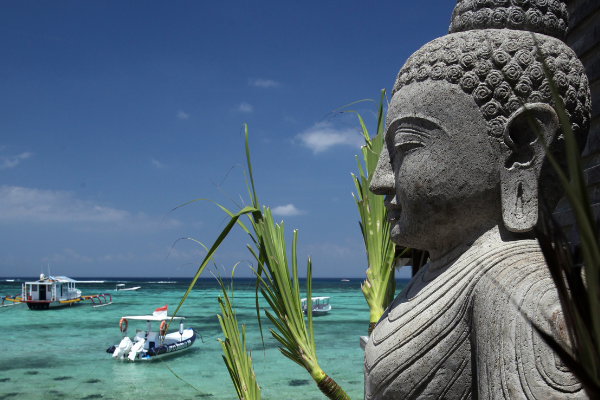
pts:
[148, 345]
[11, 301]
[320, 305]
[120, 288]
[56, 291]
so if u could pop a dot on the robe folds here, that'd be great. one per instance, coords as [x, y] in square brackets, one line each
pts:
[459, 332]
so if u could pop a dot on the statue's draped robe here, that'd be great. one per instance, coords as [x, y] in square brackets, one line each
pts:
[462, 336]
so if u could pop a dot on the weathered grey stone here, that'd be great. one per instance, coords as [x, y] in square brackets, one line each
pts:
[462, 172]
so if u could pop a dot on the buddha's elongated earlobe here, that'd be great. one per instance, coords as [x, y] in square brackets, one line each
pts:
[519, 199]
[522, 164]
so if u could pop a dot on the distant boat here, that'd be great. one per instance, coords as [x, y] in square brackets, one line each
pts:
[345, 280]
[56, 292]
[10, 280]
[120, 288]
[320, 305]
[147, 345]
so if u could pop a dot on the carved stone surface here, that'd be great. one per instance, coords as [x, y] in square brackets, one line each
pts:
[462, 171]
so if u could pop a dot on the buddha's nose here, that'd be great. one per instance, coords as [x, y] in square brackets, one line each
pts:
[383, 177]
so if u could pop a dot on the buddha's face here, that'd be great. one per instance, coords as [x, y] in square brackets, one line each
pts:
[439, 170]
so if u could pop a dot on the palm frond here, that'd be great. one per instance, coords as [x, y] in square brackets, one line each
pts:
[235, 355]
[380, 285]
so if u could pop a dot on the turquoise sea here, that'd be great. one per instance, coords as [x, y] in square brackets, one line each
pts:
[61, 353]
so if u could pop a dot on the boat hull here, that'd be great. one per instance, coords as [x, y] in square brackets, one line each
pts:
[164, 350]
[45, 305]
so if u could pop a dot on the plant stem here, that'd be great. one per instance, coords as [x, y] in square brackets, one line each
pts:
[330, 388]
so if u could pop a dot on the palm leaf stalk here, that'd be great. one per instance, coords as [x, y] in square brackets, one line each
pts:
[281, 292]
[576, 272]
[380, 285]
[235, 355]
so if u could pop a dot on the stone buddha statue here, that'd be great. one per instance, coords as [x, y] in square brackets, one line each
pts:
[462, 172]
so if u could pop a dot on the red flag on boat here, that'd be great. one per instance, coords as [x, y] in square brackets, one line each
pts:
[160, 312]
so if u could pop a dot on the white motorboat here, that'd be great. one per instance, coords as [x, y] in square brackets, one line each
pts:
[121, 288]
[147, 345]
[320, 305]
[56, 291]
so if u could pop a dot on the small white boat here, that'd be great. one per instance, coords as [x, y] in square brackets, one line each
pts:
[121, 288]
[148, 345]
[56, 291]
[320, 305]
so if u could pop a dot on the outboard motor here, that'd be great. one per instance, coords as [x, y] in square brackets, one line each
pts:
[136, 350]
[123, 348]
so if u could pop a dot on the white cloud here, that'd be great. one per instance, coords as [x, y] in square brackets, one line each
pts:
[68, 255]
[19, 204]
[245, 108]
[263, 83]
[177, 254]
[321, 137]
[182, 115]
[286, 211]
[330, 249]
[157, 163]
[13, 161]
[117, 257]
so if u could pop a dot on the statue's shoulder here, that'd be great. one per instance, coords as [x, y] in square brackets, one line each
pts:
[515, 293]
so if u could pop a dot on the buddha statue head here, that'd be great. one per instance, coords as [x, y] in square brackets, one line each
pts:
[462, 151]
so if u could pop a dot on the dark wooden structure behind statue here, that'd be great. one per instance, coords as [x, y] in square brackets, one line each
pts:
[584, 39]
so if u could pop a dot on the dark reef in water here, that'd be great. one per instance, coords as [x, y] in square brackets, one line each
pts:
[298, 382]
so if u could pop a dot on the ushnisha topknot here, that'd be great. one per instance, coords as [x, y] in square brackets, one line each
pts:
[496, 51]
[549, 17]
[503, 69]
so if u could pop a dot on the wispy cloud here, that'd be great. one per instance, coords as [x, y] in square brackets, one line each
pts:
[157, 164]
[117, 257]
[245, 108]
[177, 254]
[330, 249]
[20, 204]
[263, 83]
[321, 137]
[182, 115]
[286, 211]
[67, 256]
[13, 161]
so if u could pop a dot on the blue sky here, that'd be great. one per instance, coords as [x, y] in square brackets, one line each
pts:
[113, 113]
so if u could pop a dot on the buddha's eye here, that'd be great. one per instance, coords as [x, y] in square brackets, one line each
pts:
[407, 140]
[407, 147]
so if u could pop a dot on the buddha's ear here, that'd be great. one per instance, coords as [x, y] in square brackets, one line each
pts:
[522, 161]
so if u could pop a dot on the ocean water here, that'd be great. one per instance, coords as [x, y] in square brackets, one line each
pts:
[61, 353]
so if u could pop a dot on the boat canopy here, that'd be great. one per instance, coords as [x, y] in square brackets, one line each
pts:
[151, 318]
[317, 298]
[62, 279]
[52, 279]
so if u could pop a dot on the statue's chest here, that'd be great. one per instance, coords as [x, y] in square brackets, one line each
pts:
[422, 348]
